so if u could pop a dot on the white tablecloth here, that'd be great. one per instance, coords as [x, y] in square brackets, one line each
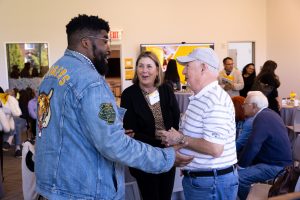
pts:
[288, 114]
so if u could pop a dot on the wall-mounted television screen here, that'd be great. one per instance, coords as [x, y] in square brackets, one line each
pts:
[165, 52]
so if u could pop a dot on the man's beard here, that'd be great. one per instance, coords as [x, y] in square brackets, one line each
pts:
[100, 62]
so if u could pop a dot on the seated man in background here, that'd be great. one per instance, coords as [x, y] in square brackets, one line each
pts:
[268, 149]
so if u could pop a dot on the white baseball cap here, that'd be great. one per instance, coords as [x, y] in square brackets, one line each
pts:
[206, 55]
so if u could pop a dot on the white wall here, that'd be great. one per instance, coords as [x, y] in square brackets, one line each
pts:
[155, 21]
[283, 33]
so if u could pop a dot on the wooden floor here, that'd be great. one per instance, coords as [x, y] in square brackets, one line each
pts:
[12, 176]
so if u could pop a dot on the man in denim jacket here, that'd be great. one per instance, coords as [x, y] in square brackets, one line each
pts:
[81, 147]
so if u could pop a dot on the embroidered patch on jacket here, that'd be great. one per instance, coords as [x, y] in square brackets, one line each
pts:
[44, 111]
[107, 113]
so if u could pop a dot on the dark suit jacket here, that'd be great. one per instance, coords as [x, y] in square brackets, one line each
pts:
[139, 117]
[268, 143]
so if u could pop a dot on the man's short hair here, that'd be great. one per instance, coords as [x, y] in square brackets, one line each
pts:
[227, 58]
[258, 98]
[84, 24]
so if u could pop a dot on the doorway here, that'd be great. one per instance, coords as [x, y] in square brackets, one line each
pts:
[113, 76]
[242, 53]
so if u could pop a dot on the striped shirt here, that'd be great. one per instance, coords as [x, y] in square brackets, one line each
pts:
[210, 115]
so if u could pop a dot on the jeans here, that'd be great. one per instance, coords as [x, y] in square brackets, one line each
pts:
[255, 174]
[20, 126]
[223, 187]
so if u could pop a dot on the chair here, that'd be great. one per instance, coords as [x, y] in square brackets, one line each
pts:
[288, 196]
[259, 191]
[296, 151]
[296, 159]
[28, 175]
[295, 128]
[132, 191]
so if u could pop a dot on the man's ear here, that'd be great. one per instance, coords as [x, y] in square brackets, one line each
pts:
[204, 67]
[255, 107]
[85, 42]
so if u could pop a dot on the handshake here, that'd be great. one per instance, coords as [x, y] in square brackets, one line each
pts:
[177, 140]
[172, 137]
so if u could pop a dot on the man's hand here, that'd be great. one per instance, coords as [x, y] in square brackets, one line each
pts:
[170, 137]
[181, 160]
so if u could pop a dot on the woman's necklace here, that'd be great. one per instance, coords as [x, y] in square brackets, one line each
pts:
[148, 90]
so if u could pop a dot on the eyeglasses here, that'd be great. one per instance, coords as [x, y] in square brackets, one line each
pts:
[245, 104]
[106, 40]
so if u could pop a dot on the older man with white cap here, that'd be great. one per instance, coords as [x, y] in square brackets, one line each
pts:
[208, 130]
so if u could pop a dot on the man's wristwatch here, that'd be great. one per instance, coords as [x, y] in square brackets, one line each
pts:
[181, 140]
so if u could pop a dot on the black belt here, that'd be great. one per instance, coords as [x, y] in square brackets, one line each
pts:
[219, 172]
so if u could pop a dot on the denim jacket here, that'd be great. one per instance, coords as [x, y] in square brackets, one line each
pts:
[81, 146]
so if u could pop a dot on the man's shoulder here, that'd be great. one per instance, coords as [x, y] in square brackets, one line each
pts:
[69, 70]
[266, 112]
[218, 98]
[267, 117]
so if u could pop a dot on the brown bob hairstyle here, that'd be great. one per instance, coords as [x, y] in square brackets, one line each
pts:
[148, 54]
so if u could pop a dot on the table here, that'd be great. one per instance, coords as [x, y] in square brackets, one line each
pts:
[288, 114]
[183, 100]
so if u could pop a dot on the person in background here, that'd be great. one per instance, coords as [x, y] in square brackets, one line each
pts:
[239, 113]
[249, 75]
[81, 146]
[268, 77]
[268, 149]
[25, 96]
[25, 72]
[9, 108]
[171, 76]
[243, 123]
[16, 133]
[35, 72]
[230, 79]
[15, 73]
[208, 129]
[150, 107]
[32, 110]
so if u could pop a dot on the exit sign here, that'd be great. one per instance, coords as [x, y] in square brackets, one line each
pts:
[115, 35]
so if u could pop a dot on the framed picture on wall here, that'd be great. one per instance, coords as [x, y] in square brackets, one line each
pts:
[27, 63]
[167, 51]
